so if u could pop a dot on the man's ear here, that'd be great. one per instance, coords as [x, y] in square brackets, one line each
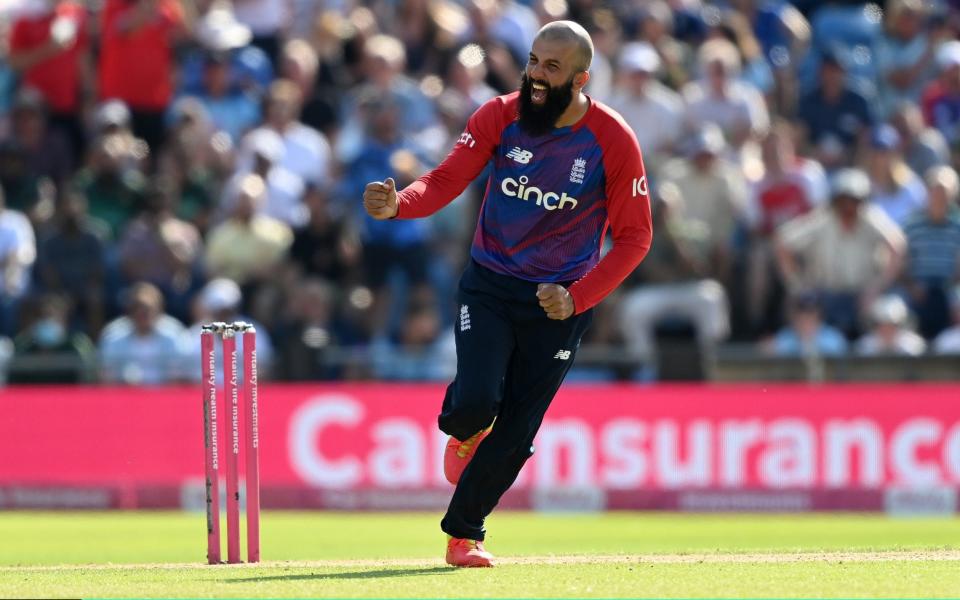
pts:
[580, 80]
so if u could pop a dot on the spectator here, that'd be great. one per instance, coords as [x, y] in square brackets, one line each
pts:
[231, 110]
[905, 55]
[948, 342]
[652, 110]
[850, 253]
[383, 64]
[941, 98]
[264, 151]
[420, 351]
[18, 251]
[160, 249]
[719, 97]
[676, 281]
[933, 252]
[714, 194]
[893, 186]
[327, 246]
[306, 151]
[144, 347]
[834, 115]
[46, 152]
[112, 182]
[71, 259]
[45, 351]
[891, 334]
[656, 27]
[923, 147]
[50, 49]
[807, 335]
[389, 247]
[22, 188]
[248, 68]
[137, 61]
[791, 186]
[249, 245]
[307, 338]
[220, 302]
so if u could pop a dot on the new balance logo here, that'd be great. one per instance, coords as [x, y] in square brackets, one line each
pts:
[521, 156]
[562, 355]
[464, 318]
[467, 140]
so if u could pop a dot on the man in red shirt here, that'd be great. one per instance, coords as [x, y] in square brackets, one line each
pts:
[49, 47]
[566, 168]
[136, 60]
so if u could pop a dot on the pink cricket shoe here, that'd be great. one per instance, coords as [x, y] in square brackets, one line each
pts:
[458, 454]
[462, 552]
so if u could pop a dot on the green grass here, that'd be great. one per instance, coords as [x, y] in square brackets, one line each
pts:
[397, 555]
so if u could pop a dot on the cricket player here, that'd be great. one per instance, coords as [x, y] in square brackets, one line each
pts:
[565, 169]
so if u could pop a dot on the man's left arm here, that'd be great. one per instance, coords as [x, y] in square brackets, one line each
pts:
[628, 211]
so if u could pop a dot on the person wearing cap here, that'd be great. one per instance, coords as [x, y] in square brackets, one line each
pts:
[941, 98]
[806, 334]
[848, 252]
[933, 258]
[890, 333]
[218, 31]
[948, 342]
[894, 187]
[834, 115]
[714, 193]
[221, 301]
[652, 110]
[49, 48]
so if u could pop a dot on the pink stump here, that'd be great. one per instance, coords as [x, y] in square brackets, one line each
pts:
[253, 444]
[210, 444]
[233, 451]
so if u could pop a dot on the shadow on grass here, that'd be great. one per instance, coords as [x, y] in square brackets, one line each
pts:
[377, 574]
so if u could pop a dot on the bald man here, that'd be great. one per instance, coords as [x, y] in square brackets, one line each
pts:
[565, 168]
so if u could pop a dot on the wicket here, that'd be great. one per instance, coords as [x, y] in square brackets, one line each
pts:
[233, 391]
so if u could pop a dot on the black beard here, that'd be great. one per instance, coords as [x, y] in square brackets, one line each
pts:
[536, 119]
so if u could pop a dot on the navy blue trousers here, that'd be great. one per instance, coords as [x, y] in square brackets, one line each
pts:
[511, 360]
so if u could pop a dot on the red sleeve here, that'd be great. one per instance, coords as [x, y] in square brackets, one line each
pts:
[17, 35]
[469, 156]
[628, 213]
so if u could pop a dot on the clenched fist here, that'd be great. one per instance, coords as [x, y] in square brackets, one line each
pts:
[380, 199]
[555, 300]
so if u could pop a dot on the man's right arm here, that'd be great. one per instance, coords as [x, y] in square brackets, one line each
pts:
[466, 161]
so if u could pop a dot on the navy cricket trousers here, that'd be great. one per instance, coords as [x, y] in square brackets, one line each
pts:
[511, 360]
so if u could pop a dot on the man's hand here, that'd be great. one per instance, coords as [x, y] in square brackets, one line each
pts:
[555, 300]
[380, 199]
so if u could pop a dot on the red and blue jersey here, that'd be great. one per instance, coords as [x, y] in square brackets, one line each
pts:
[549, 199]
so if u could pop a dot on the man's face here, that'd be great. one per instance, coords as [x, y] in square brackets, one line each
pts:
[547, 85]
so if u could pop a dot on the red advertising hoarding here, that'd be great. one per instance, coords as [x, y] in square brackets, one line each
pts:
[757, 447]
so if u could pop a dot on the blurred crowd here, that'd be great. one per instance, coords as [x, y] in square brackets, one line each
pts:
[165, 163]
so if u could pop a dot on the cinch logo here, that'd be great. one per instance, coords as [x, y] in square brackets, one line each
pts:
[521, 156]
[518, 189]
